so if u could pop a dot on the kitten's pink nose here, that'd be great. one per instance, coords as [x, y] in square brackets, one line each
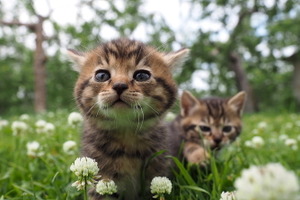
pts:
[120, 87]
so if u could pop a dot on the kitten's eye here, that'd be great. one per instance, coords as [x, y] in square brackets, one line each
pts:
[205, 128]
[227, 129]
[141, 75]
[102, 75]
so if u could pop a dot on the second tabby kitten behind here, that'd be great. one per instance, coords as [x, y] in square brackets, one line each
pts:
[123, 90]
[206, 124]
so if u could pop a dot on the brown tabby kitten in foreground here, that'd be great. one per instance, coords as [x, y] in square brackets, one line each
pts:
[123, 90]
[207, 123]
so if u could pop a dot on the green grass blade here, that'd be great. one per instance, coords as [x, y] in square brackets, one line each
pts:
[194, 188]
[184, 172]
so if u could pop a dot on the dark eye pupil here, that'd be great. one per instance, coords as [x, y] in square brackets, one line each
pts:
[204, 128]
[227, 128]
[142, 75]
[102, 76]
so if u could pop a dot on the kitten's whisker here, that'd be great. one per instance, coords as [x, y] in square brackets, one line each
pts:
[88, 112]
[135, 108]
[156, 112]
[142, 112]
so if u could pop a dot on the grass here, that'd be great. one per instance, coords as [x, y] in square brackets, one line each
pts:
[49, 177]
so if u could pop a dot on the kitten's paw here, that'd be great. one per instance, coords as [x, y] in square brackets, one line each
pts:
[198, 156]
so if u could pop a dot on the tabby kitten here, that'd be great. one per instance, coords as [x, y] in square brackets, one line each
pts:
[124, 89]
[207, 124]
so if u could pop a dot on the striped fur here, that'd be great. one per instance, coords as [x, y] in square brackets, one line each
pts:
[207, 124]
[123, 114]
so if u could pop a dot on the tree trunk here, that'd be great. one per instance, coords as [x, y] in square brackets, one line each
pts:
[296, 81]
[39, 68]
[242, 82]
[40, 59]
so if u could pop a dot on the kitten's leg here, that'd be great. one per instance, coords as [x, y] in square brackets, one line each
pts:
[195, 153]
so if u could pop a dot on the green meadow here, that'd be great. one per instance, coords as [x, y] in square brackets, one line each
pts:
[47, 174]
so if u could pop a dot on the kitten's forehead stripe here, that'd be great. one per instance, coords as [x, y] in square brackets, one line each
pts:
[125, 50]
[215, 108]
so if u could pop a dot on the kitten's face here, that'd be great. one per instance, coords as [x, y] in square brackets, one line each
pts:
[125, 80]
[214, 122]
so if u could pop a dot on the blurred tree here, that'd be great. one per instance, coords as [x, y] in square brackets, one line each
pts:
[284, 41]
[39, 59]
[239, 45]
[121, 18]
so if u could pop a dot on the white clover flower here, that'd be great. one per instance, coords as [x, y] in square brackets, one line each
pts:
[269, 182]
[255, 131]
[160, 186]
[291, 143]
[40, 123]
[75, 118]
[262, 125]
[288, 125]
[24, 117]
[257, 141]
[283, 137]
[106, 187]
[3, 123]
[51, 114]
[19, 127]
[49, 128]
[85, 169]
[170, 116]
[69, 147]
[248, 143]
[44, 127]
[228, 196]
[34, 149]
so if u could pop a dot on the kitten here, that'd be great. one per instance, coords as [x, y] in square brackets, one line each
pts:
[206, 123]
[124, 89]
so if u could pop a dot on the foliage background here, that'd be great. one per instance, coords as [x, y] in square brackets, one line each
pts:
[263, 35]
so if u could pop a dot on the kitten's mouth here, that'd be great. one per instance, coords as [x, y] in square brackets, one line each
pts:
[119, 103]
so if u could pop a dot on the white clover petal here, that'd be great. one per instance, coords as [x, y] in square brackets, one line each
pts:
[160, 185]
[106, 187]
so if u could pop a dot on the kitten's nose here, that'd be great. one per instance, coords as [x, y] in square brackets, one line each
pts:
[218, 139]
[120, 87]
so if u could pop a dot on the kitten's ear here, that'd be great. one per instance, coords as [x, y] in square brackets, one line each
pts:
[237, 102]
[188, 101]
[78, 58]
[177, 58]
